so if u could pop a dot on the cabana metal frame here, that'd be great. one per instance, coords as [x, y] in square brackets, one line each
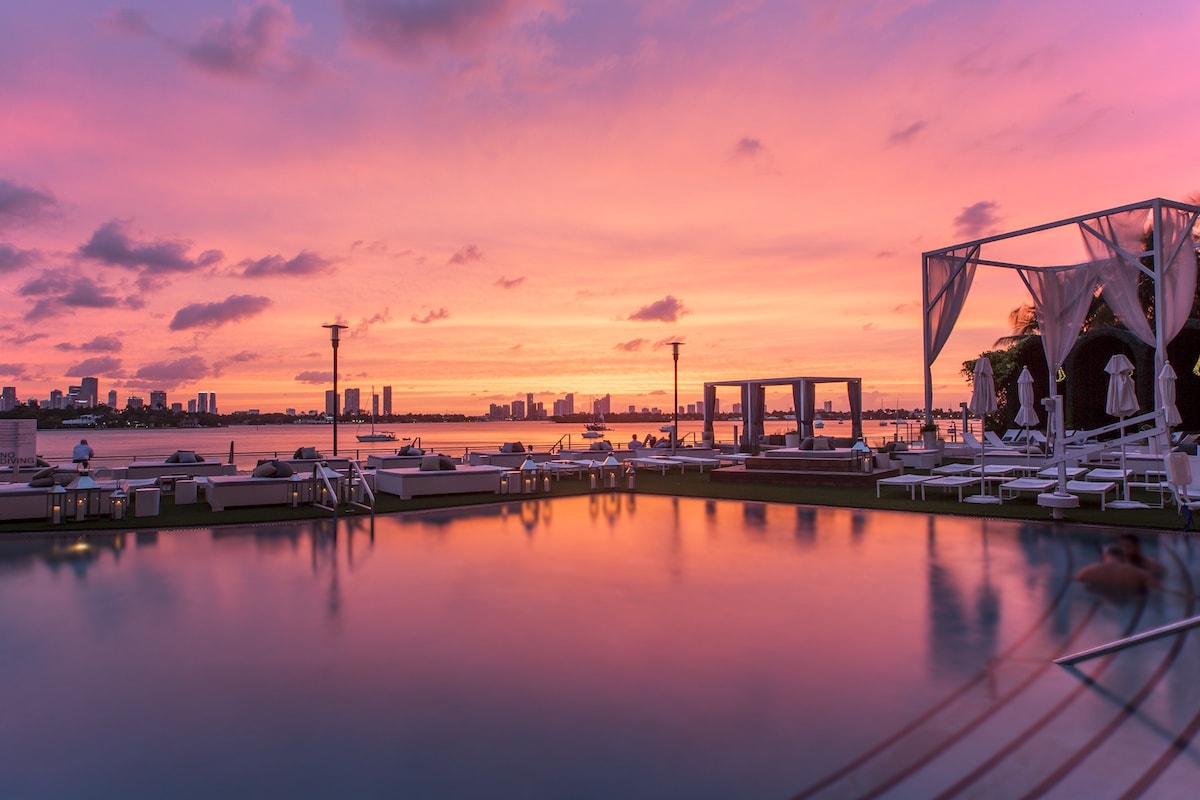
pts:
[1113, 239]
[754, 404]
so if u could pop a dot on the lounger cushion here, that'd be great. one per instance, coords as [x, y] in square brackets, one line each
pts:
[1187, 447]
[307, 453]
[821, 443]
[283, 469]
[431, 463]
[267, 469]
[42, 478]
[512, 447]
[446, 462]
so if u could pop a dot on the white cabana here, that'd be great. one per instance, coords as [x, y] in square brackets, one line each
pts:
[1113, 245]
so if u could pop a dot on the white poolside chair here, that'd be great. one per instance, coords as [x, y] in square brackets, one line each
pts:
[1179, 479]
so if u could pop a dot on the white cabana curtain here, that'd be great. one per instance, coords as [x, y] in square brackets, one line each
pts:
[1178, 274]
[1061, 298]
[948, 282]
[1112, 242]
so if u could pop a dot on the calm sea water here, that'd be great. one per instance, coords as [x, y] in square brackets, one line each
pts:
[116, 446]
[610, 646]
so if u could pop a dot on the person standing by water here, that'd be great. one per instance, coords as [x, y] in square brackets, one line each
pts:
[82, 454]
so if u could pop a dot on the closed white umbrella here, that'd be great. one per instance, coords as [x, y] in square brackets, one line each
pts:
[1121, 402]
[1166, 390]
[1026, 415]
[983, 402]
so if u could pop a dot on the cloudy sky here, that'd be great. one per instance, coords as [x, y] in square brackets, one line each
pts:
[510, 196]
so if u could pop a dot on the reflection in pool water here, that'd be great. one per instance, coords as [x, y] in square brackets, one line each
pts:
[601, 646]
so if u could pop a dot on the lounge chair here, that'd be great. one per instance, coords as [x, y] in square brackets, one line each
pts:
[660, 464]
[1179, 480]
[463, 479]
[911, 482]
[1010, 490]
[948, 482]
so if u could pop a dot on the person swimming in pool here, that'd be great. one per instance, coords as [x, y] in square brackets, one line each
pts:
[1132, 547]
[1115, 573]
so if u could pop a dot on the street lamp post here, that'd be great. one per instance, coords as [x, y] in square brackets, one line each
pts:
[675, 424]
[334, 335]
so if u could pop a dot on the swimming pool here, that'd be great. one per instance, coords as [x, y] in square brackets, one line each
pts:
[591, 647]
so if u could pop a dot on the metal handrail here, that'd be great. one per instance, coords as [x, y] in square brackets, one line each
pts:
[357, 472]
[1128, 641]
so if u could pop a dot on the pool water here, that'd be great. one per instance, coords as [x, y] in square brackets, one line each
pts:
[609, 646]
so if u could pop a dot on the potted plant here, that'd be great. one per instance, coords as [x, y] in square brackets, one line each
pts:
[929, 436]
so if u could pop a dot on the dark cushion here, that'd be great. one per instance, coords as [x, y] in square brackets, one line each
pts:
[431, 463]
[40, 481]
[173, 458]
[446, 462]
[901, 447]
[806, 443]
[265, 470]
[409, 450]
[182, 457]
[283, 469]
[307, 454]
[45, 472]
[1190, 448]
[822, 443]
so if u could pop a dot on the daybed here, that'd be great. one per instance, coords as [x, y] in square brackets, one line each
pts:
[181, 462]
[410, 482]
[228, 491]
[392, 461]
[510, 459]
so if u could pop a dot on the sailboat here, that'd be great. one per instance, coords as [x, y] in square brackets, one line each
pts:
[382, 436]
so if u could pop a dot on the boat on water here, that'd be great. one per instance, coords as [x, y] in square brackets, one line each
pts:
[591, 434]
[666, 428]
[381, 436]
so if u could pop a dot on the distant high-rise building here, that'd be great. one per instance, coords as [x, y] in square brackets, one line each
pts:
[89, 392]
[291, 412]
[602, 406]
[374, 404]
[191, 406]
[158, 399]
[212, 402]
[828, 406]
[112, 398]
[8, 398]
[353, 403]
[56, 398]
[529, 405]
[135, 402]
[331, 403]
[569, 404]
[177, 408]
[518, 409]
[387, 401]
[202, 403]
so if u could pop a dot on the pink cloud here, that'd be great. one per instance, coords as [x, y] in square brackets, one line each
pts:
[432, 316]
[304, 263]
[100, 365]
[23, 204]
[466, 254]
[315, 377]
[978, 220]
[111, 244]
[211, 315]
[668, 309]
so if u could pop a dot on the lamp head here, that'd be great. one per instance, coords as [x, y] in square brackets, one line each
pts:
[335, 330]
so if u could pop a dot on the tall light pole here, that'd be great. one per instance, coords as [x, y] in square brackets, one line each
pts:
[675, 425]
[334, 335]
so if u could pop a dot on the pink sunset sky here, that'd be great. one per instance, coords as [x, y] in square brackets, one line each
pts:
[511, 196]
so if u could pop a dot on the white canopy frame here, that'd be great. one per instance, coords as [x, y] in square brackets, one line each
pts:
[754, 394]
[1062, 293]
[946, 277]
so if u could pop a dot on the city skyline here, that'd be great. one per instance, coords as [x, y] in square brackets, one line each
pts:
[512, 197]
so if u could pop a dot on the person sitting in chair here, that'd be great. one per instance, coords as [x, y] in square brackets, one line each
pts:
[82, 454]
[634, 444]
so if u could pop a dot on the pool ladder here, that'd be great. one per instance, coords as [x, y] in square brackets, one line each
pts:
[1127, 642]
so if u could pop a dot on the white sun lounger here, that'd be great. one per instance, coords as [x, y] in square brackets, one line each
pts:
[948, 482]
[910, 481]
[660, 464]
[1097, 488]
[696, 461]
[1012, 489]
